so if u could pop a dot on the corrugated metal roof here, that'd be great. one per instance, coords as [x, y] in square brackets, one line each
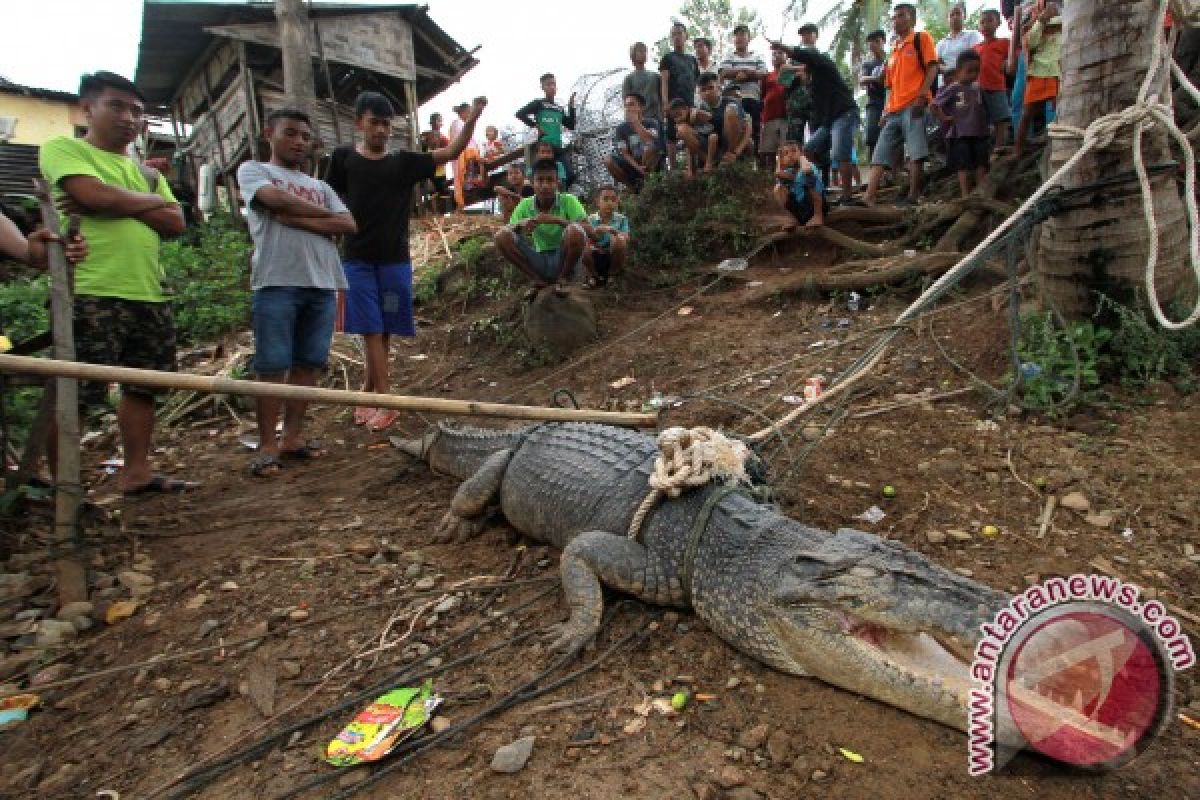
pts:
[174, 40]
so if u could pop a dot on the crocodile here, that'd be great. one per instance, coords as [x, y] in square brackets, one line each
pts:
[852, 609]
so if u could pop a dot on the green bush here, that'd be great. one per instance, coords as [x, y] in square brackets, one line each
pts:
[682, 222]
[1140, 352]
[208, 273]
[1050, 356]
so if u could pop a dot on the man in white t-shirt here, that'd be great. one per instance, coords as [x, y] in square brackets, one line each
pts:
[746, 70]
[955, 42]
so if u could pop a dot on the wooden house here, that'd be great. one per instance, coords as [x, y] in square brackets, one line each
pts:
[216, 70]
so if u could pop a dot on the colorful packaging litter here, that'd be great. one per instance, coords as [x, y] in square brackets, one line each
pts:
[17, 707]
[377, 729]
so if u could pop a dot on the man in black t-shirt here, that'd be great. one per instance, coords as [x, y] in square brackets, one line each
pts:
[871, 79]
[679, 72]
[835, 117]
[377, 188]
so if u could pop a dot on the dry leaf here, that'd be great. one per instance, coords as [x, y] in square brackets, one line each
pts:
[122, 609]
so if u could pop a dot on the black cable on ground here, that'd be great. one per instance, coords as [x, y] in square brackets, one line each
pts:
[203, 775]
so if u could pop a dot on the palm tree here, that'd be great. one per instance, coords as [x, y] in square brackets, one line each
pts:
[1104, 248]
[854, 19]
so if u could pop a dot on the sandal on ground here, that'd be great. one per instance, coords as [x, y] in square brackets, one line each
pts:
[161, 484]
[266, 466]
[383, 419]
[363, 414]
[309, 451]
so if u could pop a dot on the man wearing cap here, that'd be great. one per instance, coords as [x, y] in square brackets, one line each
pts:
[746, 70]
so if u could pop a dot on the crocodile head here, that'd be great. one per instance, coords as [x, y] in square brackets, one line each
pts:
[876, 618]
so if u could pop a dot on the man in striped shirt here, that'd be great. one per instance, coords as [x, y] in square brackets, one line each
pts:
[746, 69]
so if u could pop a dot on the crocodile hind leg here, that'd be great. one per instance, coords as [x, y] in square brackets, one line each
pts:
[597, 558]
[468, 509]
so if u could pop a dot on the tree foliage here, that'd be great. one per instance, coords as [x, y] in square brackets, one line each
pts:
[714, 20]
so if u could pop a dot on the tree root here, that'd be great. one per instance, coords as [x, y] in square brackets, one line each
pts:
[857, 275]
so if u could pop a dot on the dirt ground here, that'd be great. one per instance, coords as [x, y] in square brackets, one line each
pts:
[336, 550]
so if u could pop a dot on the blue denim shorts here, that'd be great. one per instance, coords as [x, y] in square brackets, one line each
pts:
[997, 105]
[293, 327]
[379, 299]
[546, 263]
[836, 140]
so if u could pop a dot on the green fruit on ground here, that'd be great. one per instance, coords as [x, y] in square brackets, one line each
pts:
[679, 701]
[889, 491]
[990, 530]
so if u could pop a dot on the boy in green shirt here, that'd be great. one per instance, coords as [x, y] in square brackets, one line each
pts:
[547, 233]
[121, 316]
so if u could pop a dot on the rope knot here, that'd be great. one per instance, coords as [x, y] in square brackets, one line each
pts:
[691, 457]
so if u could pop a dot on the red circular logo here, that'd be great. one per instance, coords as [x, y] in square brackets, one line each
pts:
[1087, 685]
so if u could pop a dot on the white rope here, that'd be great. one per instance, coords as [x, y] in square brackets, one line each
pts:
[1100, 133]
[687, 458]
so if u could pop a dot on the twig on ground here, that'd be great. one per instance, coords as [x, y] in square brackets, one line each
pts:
[578, 701]
[871, 412]
[1047, 515]
[1008, 460]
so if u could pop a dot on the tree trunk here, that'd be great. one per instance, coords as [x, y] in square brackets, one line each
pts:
[1106, 53]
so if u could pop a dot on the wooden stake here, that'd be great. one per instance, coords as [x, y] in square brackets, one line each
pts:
[221, 385]
[72, 580]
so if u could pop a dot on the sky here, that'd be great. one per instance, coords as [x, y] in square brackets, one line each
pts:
[516, 43]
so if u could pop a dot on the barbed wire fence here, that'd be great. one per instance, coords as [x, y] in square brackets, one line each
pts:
[599, 109]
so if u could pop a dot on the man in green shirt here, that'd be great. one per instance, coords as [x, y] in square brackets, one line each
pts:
[121, 316]
[548, 232]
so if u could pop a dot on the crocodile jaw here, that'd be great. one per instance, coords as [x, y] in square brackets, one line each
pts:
[910, 670]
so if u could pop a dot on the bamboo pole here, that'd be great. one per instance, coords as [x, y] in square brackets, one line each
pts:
[72, 580]
[220, 385]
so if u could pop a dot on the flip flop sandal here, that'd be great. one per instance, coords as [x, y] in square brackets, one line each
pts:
[266, 466]
[362, 415]
[161, 484]
[305, 452]
[383, 420]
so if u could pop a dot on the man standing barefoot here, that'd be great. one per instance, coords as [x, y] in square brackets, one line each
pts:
[377, 188]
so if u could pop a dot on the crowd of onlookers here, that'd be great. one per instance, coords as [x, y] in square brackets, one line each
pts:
[794, 115]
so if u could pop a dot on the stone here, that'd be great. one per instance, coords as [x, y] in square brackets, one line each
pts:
[1075, 501]
[705, 791]
[754, 738]
[103, 580]
[935, 537]
[161, 684]
[733, 682]
[425, 584]
[560, 322]
[290, 668]
[77, 609]
[412, 571]
[229, 586]
[730, 776]
[1101, 519]
[779, 746]
[447, 604]
[188, 685]
[439, 724]
[299, 615]
[195, 602]
[512, 757]
[52, 632]
[142, 705]
[135, 581]
[958, 536]
[819, 775]
[207, 627]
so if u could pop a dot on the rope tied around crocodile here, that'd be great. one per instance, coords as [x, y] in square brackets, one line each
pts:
[691, 457]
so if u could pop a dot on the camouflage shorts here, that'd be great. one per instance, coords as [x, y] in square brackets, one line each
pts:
[122, 333]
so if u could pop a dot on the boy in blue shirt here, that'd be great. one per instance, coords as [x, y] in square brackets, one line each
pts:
[800, 189]
[609, 238]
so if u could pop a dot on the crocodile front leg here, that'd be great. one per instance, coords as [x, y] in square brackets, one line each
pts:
[598, 558]
[468, 509]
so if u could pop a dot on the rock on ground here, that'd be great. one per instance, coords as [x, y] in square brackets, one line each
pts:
[512, 757]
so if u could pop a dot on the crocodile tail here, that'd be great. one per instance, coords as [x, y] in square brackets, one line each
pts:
[460, 451]
[417, 448]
